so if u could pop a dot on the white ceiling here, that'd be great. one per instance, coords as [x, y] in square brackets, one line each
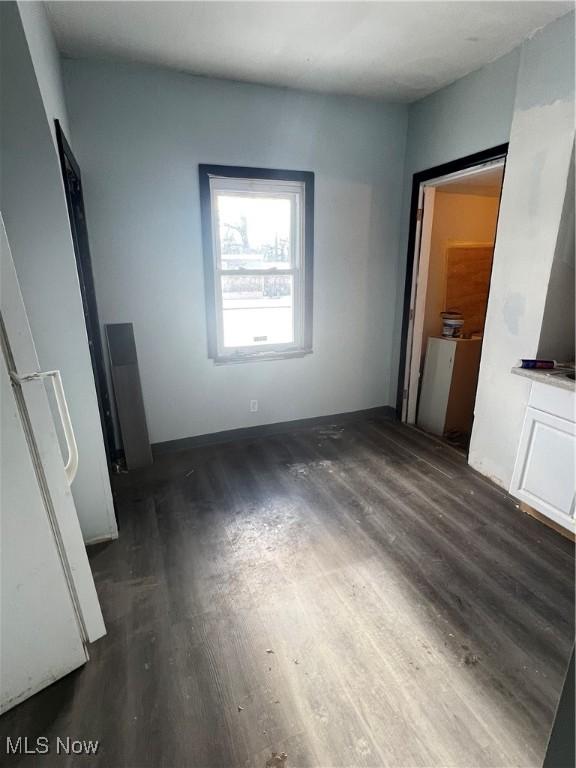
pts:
[486, 183]
[397, 51]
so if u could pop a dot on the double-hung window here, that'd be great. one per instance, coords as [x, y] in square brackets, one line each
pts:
[258, 232]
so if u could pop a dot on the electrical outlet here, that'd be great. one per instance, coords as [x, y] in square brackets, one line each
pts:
[253, 406]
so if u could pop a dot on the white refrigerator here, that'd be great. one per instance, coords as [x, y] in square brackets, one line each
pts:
[49, 609]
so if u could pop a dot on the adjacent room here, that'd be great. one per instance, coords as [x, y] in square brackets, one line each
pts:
[288, 447]
[455, 254]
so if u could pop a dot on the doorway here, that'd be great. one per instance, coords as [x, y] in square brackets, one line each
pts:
[76, 213]
[453, 231]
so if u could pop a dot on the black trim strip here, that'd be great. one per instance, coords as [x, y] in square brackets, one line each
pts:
[72, 180]
[382, 413]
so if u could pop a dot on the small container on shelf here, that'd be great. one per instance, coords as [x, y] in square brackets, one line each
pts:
[535, 363]
[452, 323]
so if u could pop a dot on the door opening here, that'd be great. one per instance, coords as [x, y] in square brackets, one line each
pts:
[453, 229]
[77, 216]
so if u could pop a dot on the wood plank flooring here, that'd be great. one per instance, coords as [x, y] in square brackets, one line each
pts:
[352, 595]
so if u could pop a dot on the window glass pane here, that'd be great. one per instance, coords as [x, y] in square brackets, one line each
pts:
[254, 232]
[257, 310]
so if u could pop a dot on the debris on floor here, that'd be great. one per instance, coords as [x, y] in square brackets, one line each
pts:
[240, 709]
[298, 469]
[269, 650]
[277, 760]
[333, 431]
[302, 469]
[471, 659]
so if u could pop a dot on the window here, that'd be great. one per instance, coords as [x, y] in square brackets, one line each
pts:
[257, 228]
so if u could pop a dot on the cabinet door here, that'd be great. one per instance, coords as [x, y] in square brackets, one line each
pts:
[438, 366]
[544, 472]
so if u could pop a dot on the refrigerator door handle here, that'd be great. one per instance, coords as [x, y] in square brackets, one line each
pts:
[71, 467]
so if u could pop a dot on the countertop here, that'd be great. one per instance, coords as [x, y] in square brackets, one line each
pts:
[556, 377]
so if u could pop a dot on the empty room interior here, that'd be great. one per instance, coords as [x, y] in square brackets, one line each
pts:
[288, 448]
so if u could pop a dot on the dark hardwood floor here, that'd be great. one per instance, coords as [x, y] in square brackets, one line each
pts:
[352, 595]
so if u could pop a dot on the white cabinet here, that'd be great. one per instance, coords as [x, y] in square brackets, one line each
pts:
[544, 474]
[449, 385]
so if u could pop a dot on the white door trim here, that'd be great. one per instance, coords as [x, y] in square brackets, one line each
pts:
[410, 332]
[419, 289]
[465, 173]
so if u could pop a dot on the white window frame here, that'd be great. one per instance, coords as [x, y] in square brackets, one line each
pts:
[295, 190]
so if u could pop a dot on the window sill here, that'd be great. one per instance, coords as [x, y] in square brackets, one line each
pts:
[260, 356]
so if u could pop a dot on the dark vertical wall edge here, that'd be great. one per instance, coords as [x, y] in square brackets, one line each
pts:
[79, 232]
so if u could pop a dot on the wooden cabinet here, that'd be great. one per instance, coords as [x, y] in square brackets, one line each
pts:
[544, 474]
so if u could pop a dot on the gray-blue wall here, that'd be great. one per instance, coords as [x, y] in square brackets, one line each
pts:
[472, 114]
[36, 217]
[139, 135]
